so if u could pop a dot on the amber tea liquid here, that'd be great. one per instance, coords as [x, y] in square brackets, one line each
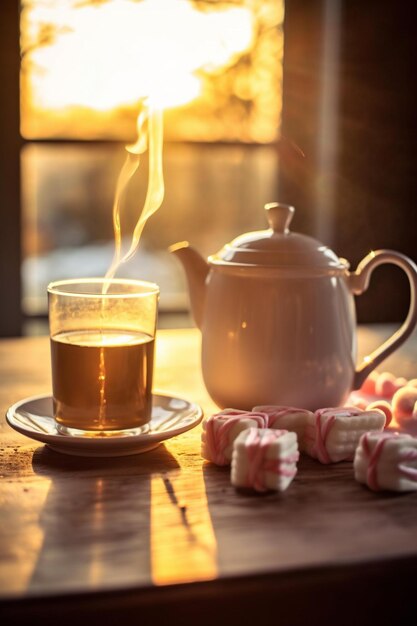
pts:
[102, 380]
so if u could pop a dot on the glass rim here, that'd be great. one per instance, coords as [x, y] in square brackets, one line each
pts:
[57, 287]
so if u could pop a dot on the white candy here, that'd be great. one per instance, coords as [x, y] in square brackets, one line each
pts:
[220, 431]
[329, 435]
[332, 435]
[387, 461]
[264, 459]
[287, 418]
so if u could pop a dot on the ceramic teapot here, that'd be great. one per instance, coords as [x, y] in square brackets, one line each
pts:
[277, 316]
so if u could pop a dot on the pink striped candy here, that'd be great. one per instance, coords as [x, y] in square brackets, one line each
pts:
[221, 429]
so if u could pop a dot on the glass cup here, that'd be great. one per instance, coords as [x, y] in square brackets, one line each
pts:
[102, 348]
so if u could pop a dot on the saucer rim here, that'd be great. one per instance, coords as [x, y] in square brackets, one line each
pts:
[110, 442]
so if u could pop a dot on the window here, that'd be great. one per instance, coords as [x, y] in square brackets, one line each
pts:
[215, 68]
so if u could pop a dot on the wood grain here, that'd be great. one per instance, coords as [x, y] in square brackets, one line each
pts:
[150, 523]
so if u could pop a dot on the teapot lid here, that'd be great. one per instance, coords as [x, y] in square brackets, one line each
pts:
[278, 246]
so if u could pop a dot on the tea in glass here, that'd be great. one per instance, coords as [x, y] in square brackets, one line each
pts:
[102, 352]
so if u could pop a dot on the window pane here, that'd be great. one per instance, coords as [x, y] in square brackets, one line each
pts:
[213, 193]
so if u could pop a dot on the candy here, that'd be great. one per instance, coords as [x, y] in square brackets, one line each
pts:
[333, 434]
[220, 431]
[385, 407]
[368, 385]
[329, 435]
[264, 459]
[358, 402]
[403, 402]
[287, 418]
[385, 385]
[400, 382]
[387, 461]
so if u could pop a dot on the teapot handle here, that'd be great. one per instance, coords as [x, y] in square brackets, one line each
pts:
[359, 282]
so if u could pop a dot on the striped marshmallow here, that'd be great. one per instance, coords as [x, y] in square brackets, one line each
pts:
[387, 461]
[221, 429]
[264, 459]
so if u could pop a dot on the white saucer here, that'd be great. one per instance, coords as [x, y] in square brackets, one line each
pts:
[33, 417]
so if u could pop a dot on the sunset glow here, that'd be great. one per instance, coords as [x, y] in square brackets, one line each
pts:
[119, 52]
[214, 67]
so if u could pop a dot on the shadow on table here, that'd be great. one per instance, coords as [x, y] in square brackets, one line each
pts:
[283, 549]
[97, 527]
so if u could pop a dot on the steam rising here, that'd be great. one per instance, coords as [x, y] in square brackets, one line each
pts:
[150, 131]
[168, 64]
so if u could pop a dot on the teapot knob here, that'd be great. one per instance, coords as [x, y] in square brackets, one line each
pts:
[279, 216]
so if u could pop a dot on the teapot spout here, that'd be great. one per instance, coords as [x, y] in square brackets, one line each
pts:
[196, 270]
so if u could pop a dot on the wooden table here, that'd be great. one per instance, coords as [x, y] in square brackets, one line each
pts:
[164, 538]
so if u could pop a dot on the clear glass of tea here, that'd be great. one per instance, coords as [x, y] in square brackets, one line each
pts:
[102, 349]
